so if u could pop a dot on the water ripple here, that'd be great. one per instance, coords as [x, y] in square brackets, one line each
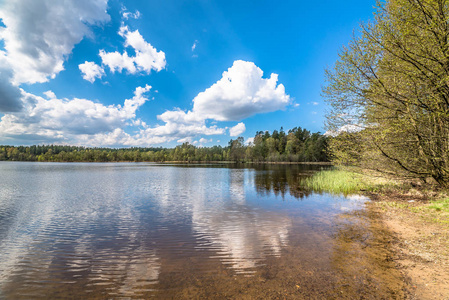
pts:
[123, 230]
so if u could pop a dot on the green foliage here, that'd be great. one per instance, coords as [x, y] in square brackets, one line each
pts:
[237, 149]
[392, 83]
[299, 145]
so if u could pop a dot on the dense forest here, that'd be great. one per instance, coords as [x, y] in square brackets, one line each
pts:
[297, 145]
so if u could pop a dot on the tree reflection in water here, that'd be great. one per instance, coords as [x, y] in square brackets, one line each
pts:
[182, 232]
[280, 180]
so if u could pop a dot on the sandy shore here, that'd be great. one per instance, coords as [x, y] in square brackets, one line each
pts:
[421, 243]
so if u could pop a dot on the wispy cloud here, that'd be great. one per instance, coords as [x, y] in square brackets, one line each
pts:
[128, 15]
[194, 45]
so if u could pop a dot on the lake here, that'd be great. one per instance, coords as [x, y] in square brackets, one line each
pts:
[173, 231]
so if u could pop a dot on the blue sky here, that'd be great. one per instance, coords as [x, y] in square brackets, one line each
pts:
[158, 73]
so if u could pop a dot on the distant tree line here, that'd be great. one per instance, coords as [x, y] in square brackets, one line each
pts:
[298, 145]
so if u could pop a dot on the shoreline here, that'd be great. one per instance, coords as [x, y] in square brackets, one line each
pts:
[415, 217]
[251, 162]
[185, 162]
[420, 244]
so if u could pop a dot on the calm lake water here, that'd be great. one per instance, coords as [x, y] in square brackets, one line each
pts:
[140, 230]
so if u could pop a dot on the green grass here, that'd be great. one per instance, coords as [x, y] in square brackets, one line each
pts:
[344, 181]
[338, 181]
[440, 205]
[435, 211]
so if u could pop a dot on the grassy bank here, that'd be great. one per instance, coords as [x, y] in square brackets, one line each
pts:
[432, 211]
[426, 202]
[341, 181]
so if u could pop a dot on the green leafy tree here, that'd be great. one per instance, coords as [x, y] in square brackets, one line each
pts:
[293, 144]
[392, 86]
[236, 149]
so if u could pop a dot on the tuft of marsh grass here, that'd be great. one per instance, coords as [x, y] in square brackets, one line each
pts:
[338, 181]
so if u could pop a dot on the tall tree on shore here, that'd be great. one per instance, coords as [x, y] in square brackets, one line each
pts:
[390, 88]
[237, 149]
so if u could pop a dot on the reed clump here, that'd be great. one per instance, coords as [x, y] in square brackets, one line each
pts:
[341, 181]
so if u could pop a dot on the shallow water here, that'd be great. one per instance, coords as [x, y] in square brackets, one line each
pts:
[135, 230]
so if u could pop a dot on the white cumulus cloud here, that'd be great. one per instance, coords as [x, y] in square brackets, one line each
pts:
[249, 141]
[65, 120]
[50, 95]
[146, 57]
[203, 140]
[10, 95]
[91, 71]
[178, 126]
[237, 129]
[40, 34]
[241, 93]
[38, 37]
